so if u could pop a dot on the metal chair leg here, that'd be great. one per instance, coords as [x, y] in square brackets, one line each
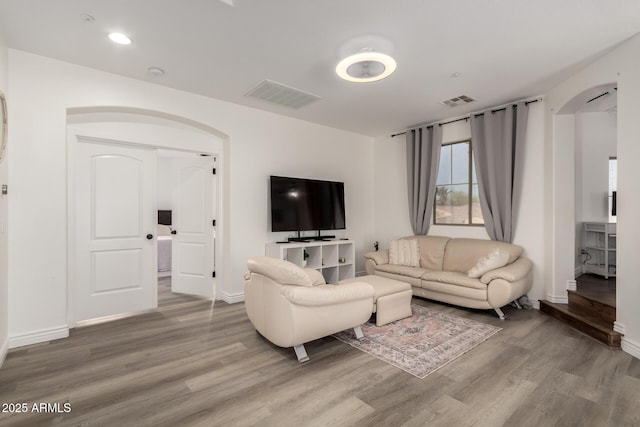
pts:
[500, 313]
[358, 331]
[301, 353]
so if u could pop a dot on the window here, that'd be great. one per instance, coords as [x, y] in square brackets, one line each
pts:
[457, 200]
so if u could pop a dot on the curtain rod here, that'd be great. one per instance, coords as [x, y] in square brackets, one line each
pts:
[467, 117]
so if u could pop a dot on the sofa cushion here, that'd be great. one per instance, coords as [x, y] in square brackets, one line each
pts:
[402, 270]
[453, 278]
[431, 250]
[404, 252]
[495, 259]
[462, 254]
[457, 291]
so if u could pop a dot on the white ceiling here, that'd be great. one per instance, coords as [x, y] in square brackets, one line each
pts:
[504, 50]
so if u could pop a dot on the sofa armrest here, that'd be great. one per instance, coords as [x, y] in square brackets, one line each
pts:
[322, 295]
[511, 273]
[378, 257]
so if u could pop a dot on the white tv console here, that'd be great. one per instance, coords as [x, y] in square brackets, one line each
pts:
[335, 259]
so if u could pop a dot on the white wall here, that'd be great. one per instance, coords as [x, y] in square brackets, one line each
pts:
[392, 206]
[259, 144]
[4, 209]
[529, 215]
[164, 186]
[622, 65]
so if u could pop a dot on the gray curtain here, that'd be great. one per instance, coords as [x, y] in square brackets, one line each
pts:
[496, 139]
[423, 156]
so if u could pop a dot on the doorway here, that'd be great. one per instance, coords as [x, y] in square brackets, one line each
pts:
[138, 134]
[595, 188]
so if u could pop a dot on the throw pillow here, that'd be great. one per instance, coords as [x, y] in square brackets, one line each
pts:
[404, 252]
[495, 259]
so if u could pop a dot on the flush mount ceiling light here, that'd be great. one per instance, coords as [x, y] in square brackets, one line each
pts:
[119, 38]
[366, 66]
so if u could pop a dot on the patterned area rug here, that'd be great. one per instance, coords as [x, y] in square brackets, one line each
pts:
[422, 343]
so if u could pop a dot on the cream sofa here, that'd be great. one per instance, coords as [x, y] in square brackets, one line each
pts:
[442, 273]
[290, 306]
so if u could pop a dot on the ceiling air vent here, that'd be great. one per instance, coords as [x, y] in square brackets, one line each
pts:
[281, 94]
[458, 100]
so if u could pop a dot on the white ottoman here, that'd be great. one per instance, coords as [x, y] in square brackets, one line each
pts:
[392, 298]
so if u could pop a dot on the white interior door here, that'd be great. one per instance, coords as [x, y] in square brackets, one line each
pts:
[115, 266]
[192, 269]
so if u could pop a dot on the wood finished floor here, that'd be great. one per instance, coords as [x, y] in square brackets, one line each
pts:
[597, 288]
[197, 363]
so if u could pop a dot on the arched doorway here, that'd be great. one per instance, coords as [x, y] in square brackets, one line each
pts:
[137, 131]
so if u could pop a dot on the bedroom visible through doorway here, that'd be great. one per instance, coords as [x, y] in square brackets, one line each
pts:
[186, 211]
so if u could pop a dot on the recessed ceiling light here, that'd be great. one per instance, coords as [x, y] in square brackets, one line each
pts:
[366, 67]
[119, 38]
[454, 75]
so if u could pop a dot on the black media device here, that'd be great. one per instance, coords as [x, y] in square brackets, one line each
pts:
[299, 204]
[613, 203]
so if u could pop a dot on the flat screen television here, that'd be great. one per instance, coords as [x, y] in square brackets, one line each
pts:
[299, 204]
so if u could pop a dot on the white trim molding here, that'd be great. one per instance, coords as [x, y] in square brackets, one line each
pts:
[571, 285]
[557, 299]
[37, 337]
[232, 298]
[4, 349]
[630, 347]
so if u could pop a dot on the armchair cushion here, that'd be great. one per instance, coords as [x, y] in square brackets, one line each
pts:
[315, 276]
[278, 270]
[327, 294]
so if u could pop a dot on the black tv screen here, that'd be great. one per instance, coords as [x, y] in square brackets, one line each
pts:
[299, 204]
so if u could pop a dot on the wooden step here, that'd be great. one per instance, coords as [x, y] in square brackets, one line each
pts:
[580, 303]
[593, 326]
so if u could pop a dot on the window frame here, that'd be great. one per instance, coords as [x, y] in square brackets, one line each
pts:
[469, 187]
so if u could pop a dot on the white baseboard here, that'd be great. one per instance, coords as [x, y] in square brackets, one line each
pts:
[558, 300]
[232, 298]
[38, 336]
[618, 327]
[579, 271]
[4, 349]
[571, 285]
[631, 347]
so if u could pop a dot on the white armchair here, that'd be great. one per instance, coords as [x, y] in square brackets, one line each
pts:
[290, 306]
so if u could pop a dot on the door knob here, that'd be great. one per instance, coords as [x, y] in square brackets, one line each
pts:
[174, 231]
[149, 236]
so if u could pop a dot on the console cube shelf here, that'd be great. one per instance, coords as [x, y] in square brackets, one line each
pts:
[599, 241]
[324, 256]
